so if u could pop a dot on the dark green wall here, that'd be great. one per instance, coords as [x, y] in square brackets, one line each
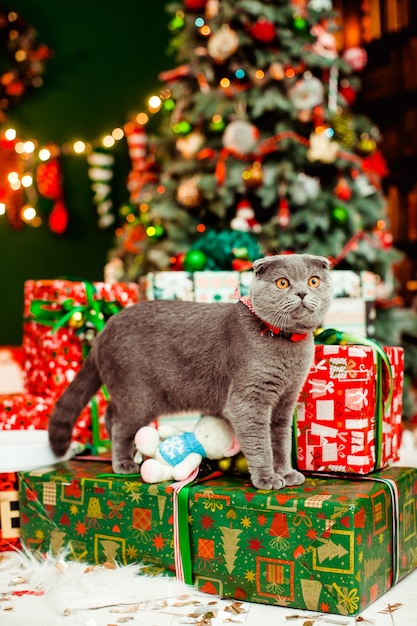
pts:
[107, 55]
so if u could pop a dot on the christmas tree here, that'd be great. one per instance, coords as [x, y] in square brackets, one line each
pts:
[258, 149]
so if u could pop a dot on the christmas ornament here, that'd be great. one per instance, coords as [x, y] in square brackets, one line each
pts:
[245, 218]
[13, 199]
[320, 5]
[49, 184]
[58, 218]
[25, 63]
[322, 148]
[223, 44]
[357, 58]
[240, 136]
[340, 215]
[307, 92]
[325, 44]
[342, 189]
[366, 144]
[385, 238]
[343, 127]
[304, 189]
[375, 164]
[363, 186]
[283, 213]
[299, 23]
[263, 30]
[177, 261]
[194, 261]
[188, 193]
[195, 5]
[276, 71]
[212, 9]
[347, 92]
[189, 146]
[137, 143]
[100, 172]
[253, 175]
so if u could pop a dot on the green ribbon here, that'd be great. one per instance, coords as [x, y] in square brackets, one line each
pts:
[184, 533]
[332, 336]
[94, 313]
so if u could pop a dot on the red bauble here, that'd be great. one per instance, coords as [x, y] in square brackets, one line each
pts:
[342, 190]
[263, 30]
[195, 5]
[356, 58]
[58, 218]
[348, 93]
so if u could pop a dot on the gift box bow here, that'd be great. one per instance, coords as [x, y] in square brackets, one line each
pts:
[93, 314]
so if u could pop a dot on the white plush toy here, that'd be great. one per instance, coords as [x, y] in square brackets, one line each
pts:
[174, 454]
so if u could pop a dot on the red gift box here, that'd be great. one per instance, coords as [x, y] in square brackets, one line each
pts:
[9, 511]
[58, 315]
[348, 417]
[61, 319]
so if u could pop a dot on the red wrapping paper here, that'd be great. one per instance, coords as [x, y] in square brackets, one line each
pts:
[9, 511]
[337, 416]
[52, 359]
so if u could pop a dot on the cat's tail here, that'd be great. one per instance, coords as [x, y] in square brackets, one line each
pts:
[66, 410]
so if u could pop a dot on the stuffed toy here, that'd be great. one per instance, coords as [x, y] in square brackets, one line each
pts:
[175, 454]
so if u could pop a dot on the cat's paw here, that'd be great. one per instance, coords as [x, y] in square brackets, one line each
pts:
[267, 481]
[125, 467]
[293, 478]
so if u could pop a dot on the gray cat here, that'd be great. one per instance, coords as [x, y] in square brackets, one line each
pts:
[245, 362]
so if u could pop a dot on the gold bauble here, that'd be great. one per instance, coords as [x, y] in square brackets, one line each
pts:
[188, 194]
[76, 320]
[253, 176]
[225, 464]
[241, 464]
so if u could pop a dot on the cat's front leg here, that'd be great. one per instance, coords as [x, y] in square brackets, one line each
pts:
[251, 423]
[281, 438]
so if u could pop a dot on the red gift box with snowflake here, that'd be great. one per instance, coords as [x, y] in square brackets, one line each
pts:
[348, 417]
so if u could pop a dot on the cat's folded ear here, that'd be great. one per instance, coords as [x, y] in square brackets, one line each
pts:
[321, 261]
[261, 265]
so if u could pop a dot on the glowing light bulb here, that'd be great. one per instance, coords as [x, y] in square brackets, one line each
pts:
[19, 147]
[78, 147]
[28, 147]
[117, 134]
[142, 118]
[154, 104]
[108, 141]
[13, 177]
[27, 180]
[225, 82]
[44, 154]
[28, 213]
[2, 208]
[10, 134]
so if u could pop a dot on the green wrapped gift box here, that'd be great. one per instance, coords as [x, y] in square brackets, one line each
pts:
[331, 545]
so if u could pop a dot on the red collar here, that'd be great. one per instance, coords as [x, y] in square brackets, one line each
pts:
[268, 327]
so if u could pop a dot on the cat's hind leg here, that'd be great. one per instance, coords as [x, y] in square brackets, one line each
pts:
[121, 431]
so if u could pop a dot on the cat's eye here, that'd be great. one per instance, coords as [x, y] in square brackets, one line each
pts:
[314, 281]
[282, 283]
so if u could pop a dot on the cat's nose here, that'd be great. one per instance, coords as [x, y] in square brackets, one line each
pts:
[301, 294]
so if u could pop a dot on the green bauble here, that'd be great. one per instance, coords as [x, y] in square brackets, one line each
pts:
[340, 215]
[194, 261]
[300, 24]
